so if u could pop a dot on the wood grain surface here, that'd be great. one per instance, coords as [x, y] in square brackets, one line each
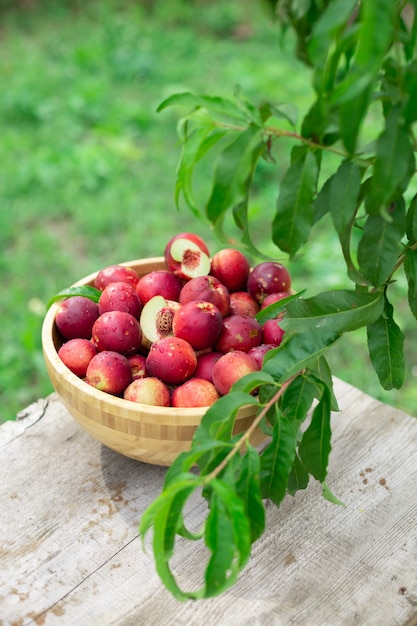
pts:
[71, 555]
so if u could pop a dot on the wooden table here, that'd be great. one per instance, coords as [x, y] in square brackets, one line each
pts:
[71, 555]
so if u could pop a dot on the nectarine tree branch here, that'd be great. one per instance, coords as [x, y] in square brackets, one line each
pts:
[273, 132]
[246, 436]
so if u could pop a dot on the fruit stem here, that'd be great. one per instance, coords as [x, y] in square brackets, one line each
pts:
[245, 437]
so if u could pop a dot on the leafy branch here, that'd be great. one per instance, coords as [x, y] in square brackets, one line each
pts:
[248, 433]
[234, 477]
[270, 133]
[363, 62]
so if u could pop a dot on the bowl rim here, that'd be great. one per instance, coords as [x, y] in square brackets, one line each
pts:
[51, 354]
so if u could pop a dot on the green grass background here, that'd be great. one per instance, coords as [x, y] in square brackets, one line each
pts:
[88, 166]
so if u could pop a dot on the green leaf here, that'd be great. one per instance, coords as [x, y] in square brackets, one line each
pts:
[227, 533]
[194, 147]
[175, 522]
[295, 208]
[251, 113]
[329, 495]
[215, 104]
[272, 310]
[277, 460]
[218, 421]
[297, 352]
[374, 37]
[352, 96]
[297, 399]
[185, 461]
[220, 540]
[248, 490]
[282, 111]
[315, 445]
[322, 203]
[354, 274]
[386, 349]
[322, 372]
[217, 426]
[344, 192]
[298, 478]
[241, 218]
[233, 172]
[331, 19]
[380, 245]
[411, 221]
[164, 517]
[410, 268]
[337, 311]
[347, 237]
[392, 163]
[352, 114]
[228, 537]
[316, 120]
[77, 290]
[340, 59]
[410, 90]
[250, 382]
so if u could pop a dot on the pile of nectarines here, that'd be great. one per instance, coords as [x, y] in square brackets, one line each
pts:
[180, 336]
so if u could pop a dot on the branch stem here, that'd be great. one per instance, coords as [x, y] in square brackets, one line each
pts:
[276, 133]
[245, 437]
[400, 261]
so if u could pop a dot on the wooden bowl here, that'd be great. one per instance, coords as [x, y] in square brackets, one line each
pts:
[150, 434]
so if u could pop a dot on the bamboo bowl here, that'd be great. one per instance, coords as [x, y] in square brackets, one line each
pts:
[150, 434]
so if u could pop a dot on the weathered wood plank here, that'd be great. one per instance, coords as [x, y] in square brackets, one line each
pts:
[70, 552]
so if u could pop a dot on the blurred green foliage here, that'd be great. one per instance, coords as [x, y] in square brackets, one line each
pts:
[88, 166]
